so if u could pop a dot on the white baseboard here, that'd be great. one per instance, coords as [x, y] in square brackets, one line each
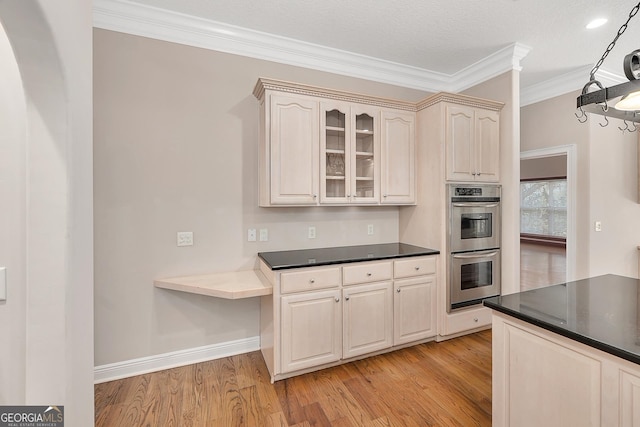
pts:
[143, 365]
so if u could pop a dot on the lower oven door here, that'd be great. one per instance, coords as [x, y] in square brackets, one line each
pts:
[474, 277]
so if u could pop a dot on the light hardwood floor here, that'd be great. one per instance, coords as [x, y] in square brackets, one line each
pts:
[433, 384]
[541, 265]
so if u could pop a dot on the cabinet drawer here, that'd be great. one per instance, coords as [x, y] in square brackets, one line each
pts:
[412, 267]
[369, 272]
[309, 280]
[466, 320]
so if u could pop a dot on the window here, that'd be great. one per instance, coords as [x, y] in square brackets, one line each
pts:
[543, 207]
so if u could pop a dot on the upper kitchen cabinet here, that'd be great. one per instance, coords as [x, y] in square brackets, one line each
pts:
[349, 153]
[289, 147]
[328, 147]
[398, 157]
[472, 139]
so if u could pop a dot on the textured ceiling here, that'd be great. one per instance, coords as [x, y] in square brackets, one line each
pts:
[440, 35]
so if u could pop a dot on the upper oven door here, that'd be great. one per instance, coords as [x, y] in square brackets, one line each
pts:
[474, 226]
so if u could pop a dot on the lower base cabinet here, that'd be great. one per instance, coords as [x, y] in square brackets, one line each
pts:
[311, 330]
[317, 318]
[367, 319]
[411, 321]
[544, 379]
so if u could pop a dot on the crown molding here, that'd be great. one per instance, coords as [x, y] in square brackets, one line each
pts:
[506, 59]
[148, 21]
[572, 81]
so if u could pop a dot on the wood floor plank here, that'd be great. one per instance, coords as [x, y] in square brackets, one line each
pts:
[433, 384]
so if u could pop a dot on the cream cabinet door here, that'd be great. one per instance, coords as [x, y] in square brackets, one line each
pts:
[311, 329]
[294, 150]
[414, 309]
[365, 155]
[629, 398]
[398, 154]
[472, 144]
[459, 145]
[368, 317]
[487, 146]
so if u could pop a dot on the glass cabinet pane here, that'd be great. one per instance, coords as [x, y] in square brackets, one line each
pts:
[335, 154]
[364, 160]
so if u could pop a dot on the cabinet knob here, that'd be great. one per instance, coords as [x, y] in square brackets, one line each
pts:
[368, 274]
[398, 290]
[337, 299]
[348, 196]
[475, 319]
[417, 268]
[346, 298]
[384, 195]
[312, 281]
[478, 173]
[315, 196]
[473, 173]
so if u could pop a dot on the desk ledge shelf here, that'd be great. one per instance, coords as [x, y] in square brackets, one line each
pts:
[233, 285]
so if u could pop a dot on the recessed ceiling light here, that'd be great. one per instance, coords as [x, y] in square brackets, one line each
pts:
[596, 23]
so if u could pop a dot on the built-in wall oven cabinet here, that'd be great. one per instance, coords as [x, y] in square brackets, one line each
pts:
[474, 244]
[474, 277]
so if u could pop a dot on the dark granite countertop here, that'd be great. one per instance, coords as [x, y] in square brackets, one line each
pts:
[602, 312]
[340, 255]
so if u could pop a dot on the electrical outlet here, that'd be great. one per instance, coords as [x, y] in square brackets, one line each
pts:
[264, 235]
[598, 226]
[185, 238]
[251, 235]
[370, 229]
[312, 232]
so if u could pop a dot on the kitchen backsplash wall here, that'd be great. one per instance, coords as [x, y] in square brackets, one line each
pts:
[175, 149]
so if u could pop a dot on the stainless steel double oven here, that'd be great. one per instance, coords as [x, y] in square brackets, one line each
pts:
[474, 243]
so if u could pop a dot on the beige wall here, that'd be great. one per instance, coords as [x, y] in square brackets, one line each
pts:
[606, 183]
[544, 167]
[613, 200]
[176, 138]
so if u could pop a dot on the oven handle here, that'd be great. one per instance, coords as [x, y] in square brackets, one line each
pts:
[475, 255]
[475, 205]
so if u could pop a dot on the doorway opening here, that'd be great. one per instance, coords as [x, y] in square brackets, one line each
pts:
[547, 206]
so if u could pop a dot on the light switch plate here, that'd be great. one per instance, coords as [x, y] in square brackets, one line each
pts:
[3, 283]
[312, 232]
[264, 234]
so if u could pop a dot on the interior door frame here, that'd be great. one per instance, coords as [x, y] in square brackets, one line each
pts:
[572, 167]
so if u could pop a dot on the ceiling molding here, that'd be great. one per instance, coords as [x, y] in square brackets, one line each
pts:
[504, 60]
[148, 21]
[565, 83]
[569, 82]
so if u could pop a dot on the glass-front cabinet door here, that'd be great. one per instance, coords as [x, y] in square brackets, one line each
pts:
[365, 157]
[335, 127]
[348, 154]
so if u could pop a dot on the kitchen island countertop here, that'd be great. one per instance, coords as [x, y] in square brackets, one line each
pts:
[602, 312]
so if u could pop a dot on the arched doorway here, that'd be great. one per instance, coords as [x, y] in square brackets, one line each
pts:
[49, 274]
